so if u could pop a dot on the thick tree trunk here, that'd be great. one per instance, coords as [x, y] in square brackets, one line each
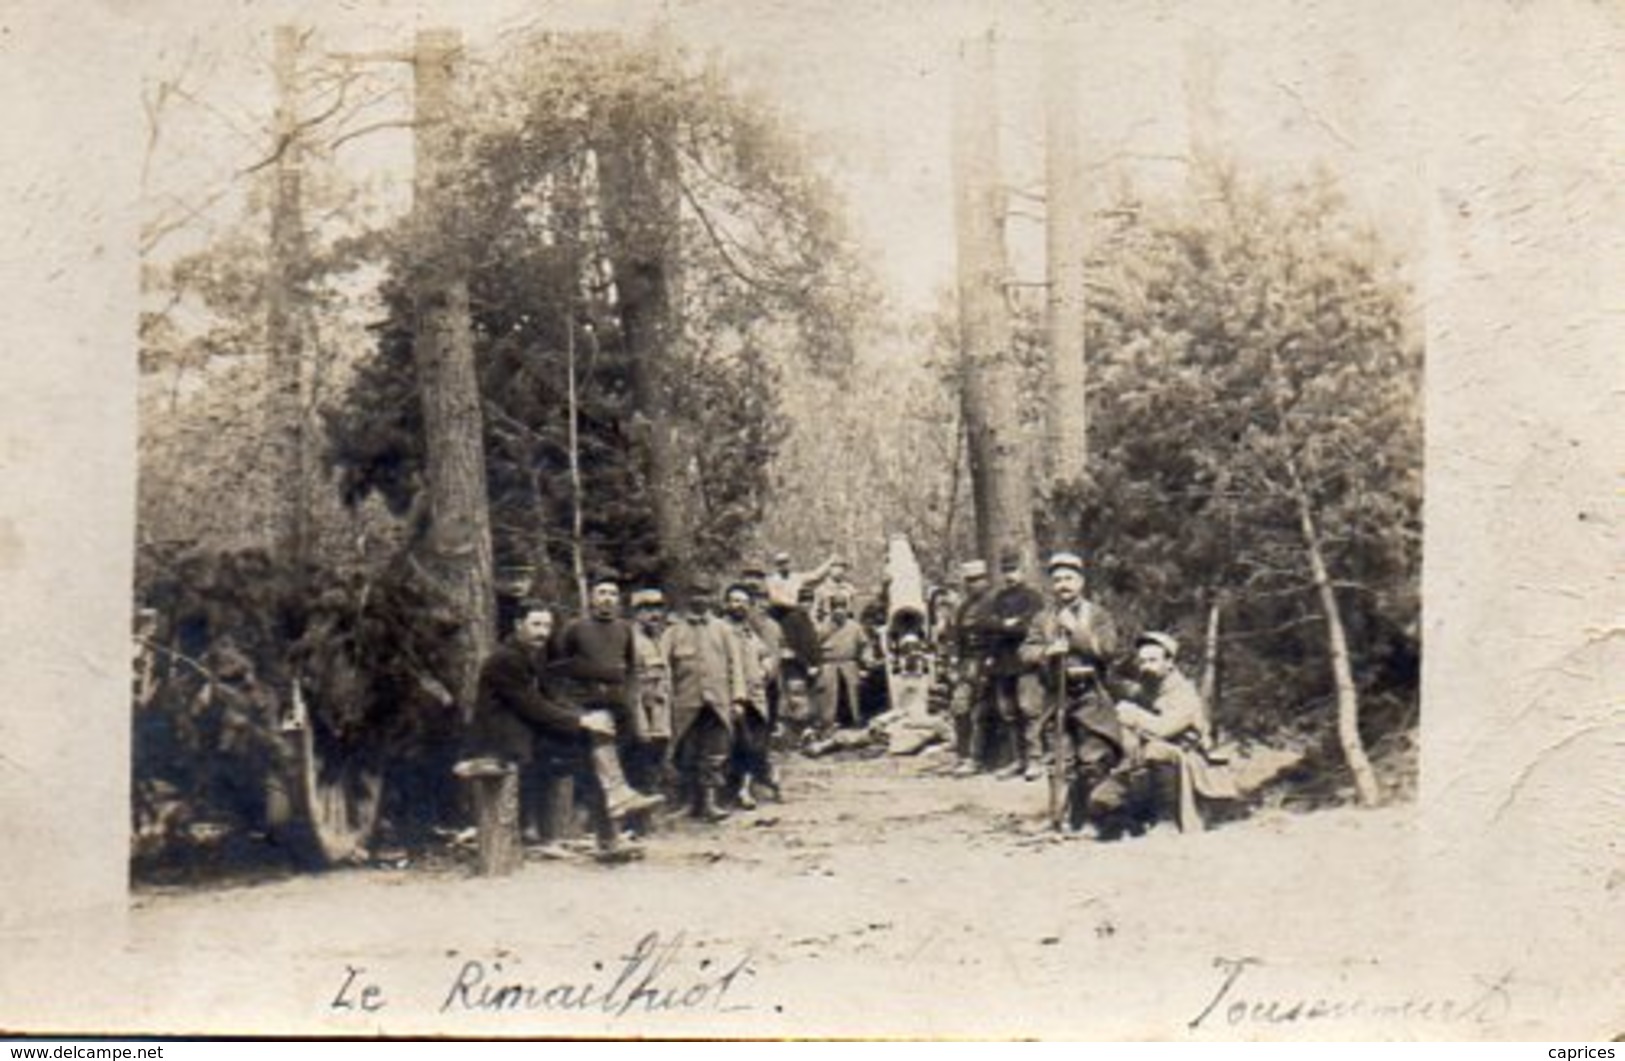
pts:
[1348, 700]
[459, 536]
[641, 205]
[284, 410]
[1001, 481]
[1065, 230]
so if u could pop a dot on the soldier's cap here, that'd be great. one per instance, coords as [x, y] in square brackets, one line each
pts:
[973, 569]
[741, 586]
[1010, 560]
[702, 586]
[647, 598]
[805, 593]
[781, 557]
[1156, 637]
[753, 571]
[1064, 560]
[604, 576]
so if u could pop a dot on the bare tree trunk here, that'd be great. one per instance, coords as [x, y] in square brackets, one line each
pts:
[1065, 231]
[1210, 660]
[459, 536]
[1348, 701]
[1001, 478]
[578, 545]
[642, 202]
[289, 507]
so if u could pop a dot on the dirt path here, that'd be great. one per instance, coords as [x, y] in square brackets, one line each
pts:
[882, 897]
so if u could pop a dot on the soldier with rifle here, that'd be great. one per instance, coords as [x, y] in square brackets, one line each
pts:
[1068, 650]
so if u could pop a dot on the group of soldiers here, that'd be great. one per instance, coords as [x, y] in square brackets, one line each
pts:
[645, 702]
[638, 703]
[1016, 661]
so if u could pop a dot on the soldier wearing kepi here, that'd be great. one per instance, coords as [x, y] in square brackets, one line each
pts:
[708, 691]
[649, 761]
[1069, 648]
[772, 634]
[751, 752]
[845, 648]
[1005, 622]
[969, 702]
[1172, 728]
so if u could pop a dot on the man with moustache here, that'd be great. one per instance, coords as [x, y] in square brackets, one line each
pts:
[771, 632]
[1171, 728]
[648, 762]
[1069, 648]
[521, 717]
[708, 692]
[596, 658]
[751, 752]
[1004, 624]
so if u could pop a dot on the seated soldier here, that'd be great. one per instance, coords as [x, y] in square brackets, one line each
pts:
[520, 717]
[1172, 729]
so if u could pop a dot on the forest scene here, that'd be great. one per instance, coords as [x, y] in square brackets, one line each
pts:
[457, 328]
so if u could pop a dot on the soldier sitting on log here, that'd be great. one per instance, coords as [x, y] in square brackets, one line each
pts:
[521, 718]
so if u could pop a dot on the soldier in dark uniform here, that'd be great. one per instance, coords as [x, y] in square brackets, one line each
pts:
[968, 702]
[803, 659]
[596, 656]
[1005, 622]
[1069, 649]
[521, 717]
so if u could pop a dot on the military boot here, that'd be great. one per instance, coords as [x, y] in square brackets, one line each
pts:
[708, 807]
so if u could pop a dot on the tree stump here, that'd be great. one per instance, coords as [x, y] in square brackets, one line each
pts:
[495, 786]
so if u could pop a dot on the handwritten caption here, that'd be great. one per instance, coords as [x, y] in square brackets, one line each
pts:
[657, 975]
[1234, 1004]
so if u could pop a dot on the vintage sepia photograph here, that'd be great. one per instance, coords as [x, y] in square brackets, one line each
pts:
[705, 519]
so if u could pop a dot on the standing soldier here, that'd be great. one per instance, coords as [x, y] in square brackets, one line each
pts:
[803, 661]
[970, 698]
[654, 690]
[1009, 612]
[707, 690]
[845, 650]
[772, 634]
[1069, 648]
[751, 761]
[595, 657]
[836, 584]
